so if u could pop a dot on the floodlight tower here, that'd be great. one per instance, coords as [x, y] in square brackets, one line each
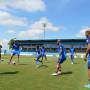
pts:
[44, 28]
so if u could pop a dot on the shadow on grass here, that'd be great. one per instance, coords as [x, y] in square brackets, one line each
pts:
[66, 73]
[23, 64]
[76, 63]
[45, 66]
[47, 61]
[7, 73]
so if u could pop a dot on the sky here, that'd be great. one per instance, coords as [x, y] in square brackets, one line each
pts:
[25, 19]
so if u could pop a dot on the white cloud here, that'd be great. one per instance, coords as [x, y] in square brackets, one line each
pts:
[36, 29]
[81, 34]
[26, 5]
[11, 31]
[9, 19]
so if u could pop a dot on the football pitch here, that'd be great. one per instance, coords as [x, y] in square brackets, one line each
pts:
[29, 76]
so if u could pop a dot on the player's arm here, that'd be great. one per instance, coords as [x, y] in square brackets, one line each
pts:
[40, 51]
[74, 50]
[88, 48]
[45, 50]
[85, 58]
[12, 47]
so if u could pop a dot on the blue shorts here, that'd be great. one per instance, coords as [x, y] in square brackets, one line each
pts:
[16, 52]
[43, 54]
[72, 56]
[62, 59]
[88, 62]
[38, 56]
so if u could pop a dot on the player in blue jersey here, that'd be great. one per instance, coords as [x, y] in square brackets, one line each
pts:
[15, 51]
[62, 57]
[38, 55]
[87, 56]
[43, 50]
[0, 53]
[72, 51]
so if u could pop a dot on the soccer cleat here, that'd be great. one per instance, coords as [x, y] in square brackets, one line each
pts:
[54, 74]
[42, 62]
[59, 72]
[37, 62]
[72, 63]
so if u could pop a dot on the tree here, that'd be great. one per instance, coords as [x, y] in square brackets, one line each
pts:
[11, 42]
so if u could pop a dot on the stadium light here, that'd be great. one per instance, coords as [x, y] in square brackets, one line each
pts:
[44, 27]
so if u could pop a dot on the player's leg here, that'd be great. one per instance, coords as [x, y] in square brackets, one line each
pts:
[62, 59]
[18, 59]
[37, 59]
[58, 68]
[89, 70]
[18, 54]
[45, 57]
[13, 54]
[11, 58]
[42, 57]
[89, 74]
[0, 57]
[37, 62]
[72, 59]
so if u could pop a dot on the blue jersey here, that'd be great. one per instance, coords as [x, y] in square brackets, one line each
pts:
[88, 40]
[16, 46]
[88, 61]
[43, 50]
[72, 50]
[38, 51]
[62, 51]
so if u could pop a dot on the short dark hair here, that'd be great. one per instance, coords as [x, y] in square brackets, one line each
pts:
[58, 41]
[87, 32]
[37, 46]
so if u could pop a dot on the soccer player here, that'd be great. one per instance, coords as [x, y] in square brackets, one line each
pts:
[0, 52]
[43, 50]
[38, 55]
[87, 56]
[72, 51]
[61, 59]
[15, 51]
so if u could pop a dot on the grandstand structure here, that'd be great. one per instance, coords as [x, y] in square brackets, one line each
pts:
[51, 44]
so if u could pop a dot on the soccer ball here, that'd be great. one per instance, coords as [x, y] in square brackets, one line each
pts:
[13, 62]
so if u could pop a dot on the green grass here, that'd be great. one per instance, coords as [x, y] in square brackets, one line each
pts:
[27, 76]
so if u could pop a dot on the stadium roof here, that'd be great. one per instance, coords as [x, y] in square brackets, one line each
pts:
[53, 41]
